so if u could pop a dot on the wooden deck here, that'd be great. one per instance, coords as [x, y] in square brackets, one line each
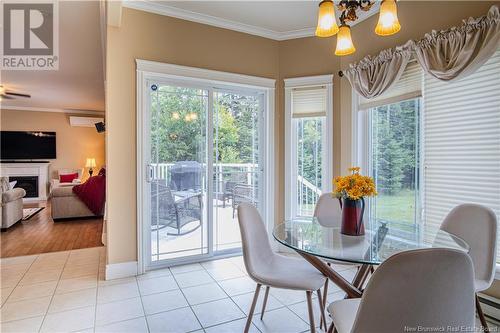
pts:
[226, 235]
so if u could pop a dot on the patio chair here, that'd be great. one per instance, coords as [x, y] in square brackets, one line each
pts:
[242, 193]
[235, 179]
[169, 212]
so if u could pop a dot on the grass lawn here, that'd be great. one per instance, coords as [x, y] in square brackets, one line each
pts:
[397, 208]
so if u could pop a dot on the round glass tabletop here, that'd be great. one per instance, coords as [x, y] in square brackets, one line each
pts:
[381, 240]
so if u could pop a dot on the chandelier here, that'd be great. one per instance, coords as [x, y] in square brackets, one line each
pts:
[388, 23]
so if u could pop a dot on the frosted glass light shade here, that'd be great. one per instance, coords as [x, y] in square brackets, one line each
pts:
[388, 23]
[344, 41]
[327, 25]
[90, 163]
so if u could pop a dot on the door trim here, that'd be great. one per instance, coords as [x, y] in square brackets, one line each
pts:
[150, 70]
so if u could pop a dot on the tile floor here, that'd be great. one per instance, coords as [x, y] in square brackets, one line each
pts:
[66, 292]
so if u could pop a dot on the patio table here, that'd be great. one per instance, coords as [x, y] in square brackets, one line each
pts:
[317, 243]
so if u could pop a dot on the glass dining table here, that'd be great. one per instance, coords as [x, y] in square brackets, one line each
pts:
[319, 245]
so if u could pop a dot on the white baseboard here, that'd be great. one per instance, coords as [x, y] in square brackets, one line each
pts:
[121, 270]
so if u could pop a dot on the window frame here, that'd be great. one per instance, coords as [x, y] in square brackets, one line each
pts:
[290, 145]
[362, 147]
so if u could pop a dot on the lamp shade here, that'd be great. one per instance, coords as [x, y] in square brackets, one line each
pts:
[327, 26]
[90, 163]
[388, 23]
[344, 41]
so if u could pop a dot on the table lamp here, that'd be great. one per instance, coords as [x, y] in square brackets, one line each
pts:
[90, 164]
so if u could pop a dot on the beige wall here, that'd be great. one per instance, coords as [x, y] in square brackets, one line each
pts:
[160, 38]
[74, 144]
[154, 37]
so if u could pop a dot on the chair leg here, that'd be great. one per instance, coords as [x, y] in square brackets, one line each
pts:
[321, 309]
[331, 328]
[325, 293]
[265, 302]
[481, 315]
[252, 308]
[310, 309]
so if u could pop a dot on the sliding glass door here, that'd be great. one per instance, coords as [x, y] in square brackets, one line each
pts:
[178, 173]
[236, 164]
[204, 160]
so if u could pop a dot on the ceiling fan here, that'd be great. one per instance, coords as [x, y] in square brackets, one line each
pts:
[8, 94]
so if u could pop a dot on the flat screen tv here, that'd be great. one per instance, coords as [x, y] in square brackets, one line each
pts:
[17, 145]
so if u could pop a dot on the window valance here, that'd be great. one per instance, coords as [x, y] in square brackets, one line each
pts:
[447, 55]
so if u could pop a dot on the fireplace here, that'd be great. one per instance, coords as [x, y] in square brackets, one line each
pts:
[28, 183]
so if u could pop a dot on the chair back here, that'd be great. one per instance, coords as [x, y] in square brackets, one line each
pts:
[477, 226]
[426, 288]
[257, 252]
[242, 193]
[328, 211]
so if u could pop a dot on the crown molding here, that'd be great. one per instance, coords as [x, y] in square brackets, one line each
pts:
[162, 9]
[66, 111]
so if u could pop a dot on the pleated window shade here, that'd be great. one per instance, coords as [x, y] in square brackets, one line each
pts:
[407, 87]
[309, 102]
[461, 143]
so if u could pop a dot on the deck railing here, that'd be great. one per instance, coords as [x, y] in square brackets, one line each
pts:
[247, 173]
[308, 195]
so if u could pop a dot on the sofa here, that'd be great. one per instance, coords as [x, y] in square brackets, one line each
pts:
[66, 205]
[11, 208]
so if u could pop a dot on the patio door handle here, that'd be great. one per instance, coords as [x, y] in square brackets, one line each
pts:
[149, 173]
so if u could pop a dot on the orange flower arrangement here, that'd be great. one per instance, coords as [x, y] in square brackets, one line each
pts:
[354, 186]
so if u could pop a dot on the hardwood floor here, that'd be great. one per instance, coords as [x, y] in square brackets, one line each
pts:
[40, 234]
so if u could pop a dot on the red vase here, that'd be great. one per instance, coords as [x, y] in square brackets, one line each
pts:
[352, 217]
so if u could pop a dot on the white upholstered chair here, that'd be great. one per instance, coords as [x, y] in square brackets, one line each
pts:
[56, 183]
[477, 226]
[270, 269]
[329, 214]
[328, 211]
[426, 288]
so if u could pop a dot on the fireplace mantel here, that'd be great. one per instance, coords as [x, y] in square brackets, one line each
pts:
[38, 169]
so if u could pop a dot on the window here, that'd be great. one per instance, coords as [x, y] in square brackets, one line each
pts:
[394, 162]
[432, 145]
[391, 146]
[308, 146]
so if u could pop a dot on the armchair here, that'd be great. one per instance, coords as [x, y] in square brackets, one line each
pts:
[56, 183]
[11, 208]
[176, 213]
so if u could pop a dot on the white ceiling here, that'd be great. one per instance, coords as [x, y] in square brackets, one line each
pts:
[279, 20]
[79, 82]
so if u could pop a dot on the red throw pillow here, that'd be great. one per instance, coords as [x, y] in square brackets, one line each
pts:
[68, 178]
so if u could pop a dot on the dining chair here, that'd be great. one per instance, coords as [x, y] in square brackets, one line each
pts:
[477, 226]
[329, 214]
[270, 269]
[425, 288]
